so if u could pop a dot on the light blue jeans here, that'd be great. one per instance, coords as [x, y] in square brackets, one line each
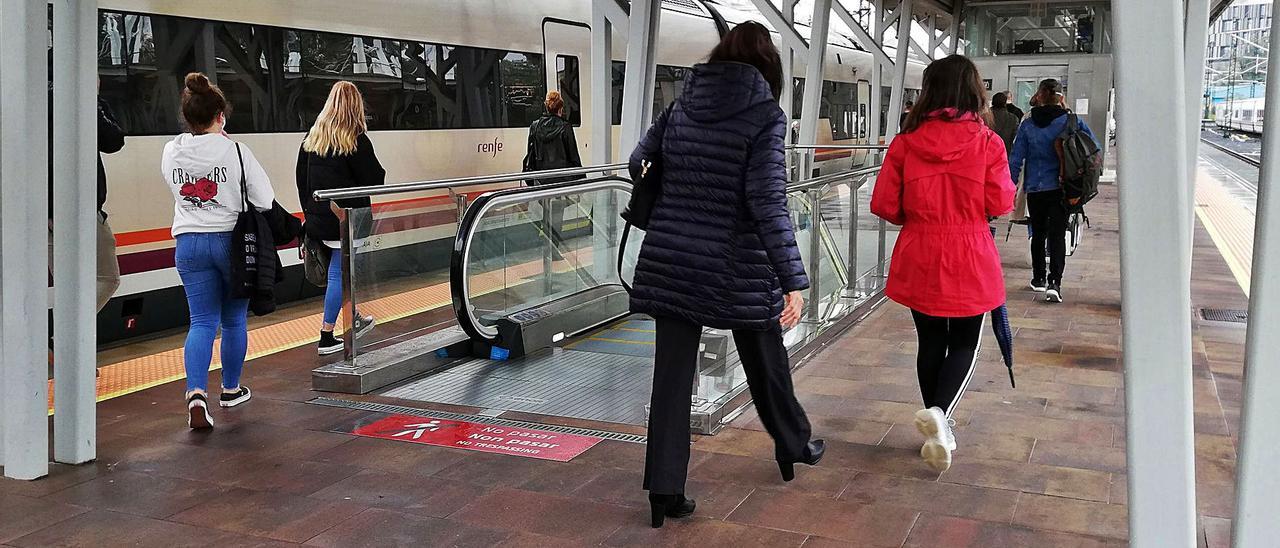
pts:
[333, 290]
[204, 264]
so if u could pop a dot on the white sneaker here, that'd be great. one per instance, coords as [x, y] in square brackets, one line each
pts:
[198, 416]
[939, 440]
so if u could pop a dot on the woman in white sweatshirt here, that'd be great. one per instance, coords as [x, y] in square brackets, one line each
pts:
[203, 170]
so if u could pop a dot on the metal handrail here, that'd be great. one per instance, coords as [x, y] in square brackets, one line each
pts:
[838, 147]
[444, 184]
[800, 186]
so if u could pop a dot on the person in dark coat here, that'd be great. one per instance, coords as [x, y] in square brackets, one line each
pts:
[337, 153]
[1012, 108]
[720, 252]
[552, 146]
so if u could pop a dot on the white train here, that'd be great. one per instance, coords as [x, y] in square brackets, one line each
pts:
[1243, 115]
[451, 86]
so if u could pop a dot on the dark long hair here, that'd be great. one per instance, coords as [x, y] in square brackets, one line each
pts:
[750, 43]
[951, 82]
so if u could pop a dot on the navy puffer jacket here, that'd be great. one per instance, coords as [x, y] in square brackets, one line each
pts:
[720, 250]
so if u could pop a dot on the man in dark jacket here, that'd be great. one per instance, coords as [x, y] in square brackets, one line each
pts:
[110, 141]
[1003, 122]
[1012, 108]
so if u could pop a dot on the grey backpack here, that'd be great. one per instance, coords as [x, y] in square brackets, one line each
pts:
[1080, 164]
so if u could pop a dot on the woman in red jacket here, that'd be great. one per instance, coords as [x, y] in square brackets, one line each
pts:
[943, 177]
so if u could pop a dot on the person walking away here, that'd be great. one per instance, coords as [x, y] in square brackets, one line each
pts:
[1035, 147]
[720, 252]
[203, 169]
[1003, 122]
[336, 154]
[943, 177]
[906, 111]
[552, 146]
[1012, 108]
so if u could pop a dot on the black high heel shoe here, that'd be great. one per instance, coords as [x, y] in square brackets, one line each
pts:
[813, 452]
[669, 506]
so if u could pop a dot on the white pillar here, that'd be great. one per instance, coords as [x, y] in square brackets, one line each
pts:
[812, 102]
[601, 85]
[1257, 480]
[1196, 40]
[877, 72]
[637, 90]
[787, 98]
[75, 137]
[899, 78]
[23, 237]
[1155, 284]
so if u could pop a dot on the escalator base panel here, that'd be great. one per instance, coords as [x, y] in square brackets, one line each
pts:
[555, 382]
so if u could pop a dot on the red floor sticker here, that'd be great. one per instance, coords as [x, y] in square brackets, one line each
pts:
[521, 442]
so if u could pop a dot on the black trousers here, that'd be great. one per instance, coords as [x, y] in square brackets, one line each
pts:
[1048, 222]
[947, 357]
[764, 358]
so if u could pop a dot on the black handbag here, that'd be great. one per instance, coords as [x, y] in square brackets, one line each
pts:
[254, 262]
[646, 181]
[315, 260]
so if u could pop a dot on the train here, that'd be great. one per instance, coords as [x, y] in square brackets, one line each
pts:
[1243, 115]
[451, 87]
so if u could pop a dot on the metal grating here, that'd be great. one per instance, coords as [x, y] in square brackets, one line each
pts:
[479, 419]
[1229, 315]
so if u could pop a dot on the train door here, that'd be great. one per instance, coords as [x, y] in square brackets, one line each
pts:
[1024, 80]
[567, 58]
[864, 110]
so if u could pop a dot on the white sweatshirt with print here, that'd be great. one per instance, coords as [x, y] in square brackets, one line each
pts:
[203, 174]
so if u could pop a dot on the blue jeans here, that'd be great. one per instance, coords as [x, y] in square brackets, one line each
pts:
[333, 290]
[204, 264]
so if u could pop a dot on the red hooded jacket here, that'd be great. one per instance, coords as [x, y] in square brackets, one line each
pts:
[942, 182]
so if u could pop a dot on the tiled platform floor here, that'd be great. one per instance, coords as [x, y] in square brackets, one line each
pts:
[1042, 465]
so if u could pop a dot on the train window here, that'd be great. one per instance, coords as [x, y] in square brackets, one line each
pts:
[523, 85]
[567, 78]
[840, 106]
[240, 55]
[668, 84]
[797, 98]
[141, 63]
[619, 75]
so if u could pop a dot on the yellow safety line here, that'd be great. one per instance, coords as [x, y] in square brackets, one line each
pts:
[1225, 221]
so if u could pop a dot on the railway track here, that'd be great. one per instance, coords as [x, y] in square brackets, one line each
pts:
[1242, 157]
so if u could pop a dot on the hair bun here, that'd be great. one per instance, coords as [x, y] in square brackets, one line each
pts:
[197, 83]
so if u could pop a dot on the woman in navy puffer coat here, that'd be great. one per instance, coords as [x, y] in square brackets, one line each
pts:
[720, 252]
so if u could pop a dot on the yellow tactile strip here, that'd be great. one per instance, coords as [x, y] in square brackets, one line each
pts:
[1229, 224]
[163, 367]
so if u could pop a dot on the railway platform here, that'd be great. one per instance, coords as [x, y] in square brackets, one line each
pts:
[1040, 465]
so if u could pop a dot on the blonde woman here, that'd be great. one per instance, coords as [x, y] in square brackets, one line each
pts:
[336, 153]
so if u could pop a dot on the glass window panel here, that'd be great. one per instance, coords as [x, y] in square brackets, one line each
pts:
[567, 77]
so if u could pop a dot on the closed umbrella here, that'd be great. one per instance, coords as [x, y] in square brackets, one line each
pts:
[1004, 335]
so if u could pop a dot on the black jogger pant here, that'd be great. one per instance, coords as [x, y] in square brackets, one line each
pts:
[764, 358]
[947, 357]
[1048, 222]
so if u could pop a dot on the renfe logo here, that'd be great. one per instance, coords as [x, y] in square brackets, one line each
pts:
[492, 149]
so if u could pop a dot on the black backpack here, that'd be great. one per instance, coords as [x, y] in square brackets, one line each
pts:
[1080, 164]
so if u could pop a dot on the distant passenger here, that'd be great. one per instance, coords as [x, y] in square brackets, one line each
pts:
[203, 169]
[906, 111]
[1012, 107]
[552, 146]
[720, 252]
[942, 179]
[1003, 122]
[1035, 145]
[337, 153]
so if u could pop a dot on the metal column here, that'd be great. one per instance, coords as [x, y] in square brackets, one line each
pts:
[809, 108]
[1155, 284]
[24, 122]
[1257, 481]
[74, 231]
[637, 90]
[899, 79]
[604, 14]
[1196, 40]
[787, 97]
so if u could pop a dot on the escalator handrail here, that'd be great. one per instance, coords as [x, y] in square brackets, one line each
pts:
[459, 281]
[815, 182]
[457, 182]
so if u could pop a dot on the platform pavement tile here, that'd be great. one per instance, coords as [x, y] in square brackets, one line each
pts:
[138, 494]
[861, 524]
[511, 471]
[532, 540]
[160, 458]
[933, 531]
[392, 456]
[1119, 491]
[1069, 410]
[288, 414]
[821, 480]
[556, 516]
[21, 515]
[613, 454]
[1075, 455]
[279, 475]
[407, 493]
[1033, 478]
[716, 499]
[380, 527]
[1216, 532]
[1072, 516]
[703, 533]
[845, 429]
[270, 515]
[106, 528]
[1216, 499]
[860, 409]
[933, 496]
[972, 445]
[1079, 431]
[266, 441]
[61, 476]
[878, 459]
[848, 372]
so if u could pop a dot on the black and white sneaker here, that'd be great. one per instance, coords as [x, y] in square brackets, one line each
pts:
[329, 344]
[1054, 293]
[363, 325]
[1038, 285]
[232, 399]
[198, 416]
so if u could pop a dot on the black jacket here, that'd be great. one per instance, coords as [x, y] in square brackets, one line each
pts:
[315, 172]
[110, 141]
[1014, 110]
[552, 146]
